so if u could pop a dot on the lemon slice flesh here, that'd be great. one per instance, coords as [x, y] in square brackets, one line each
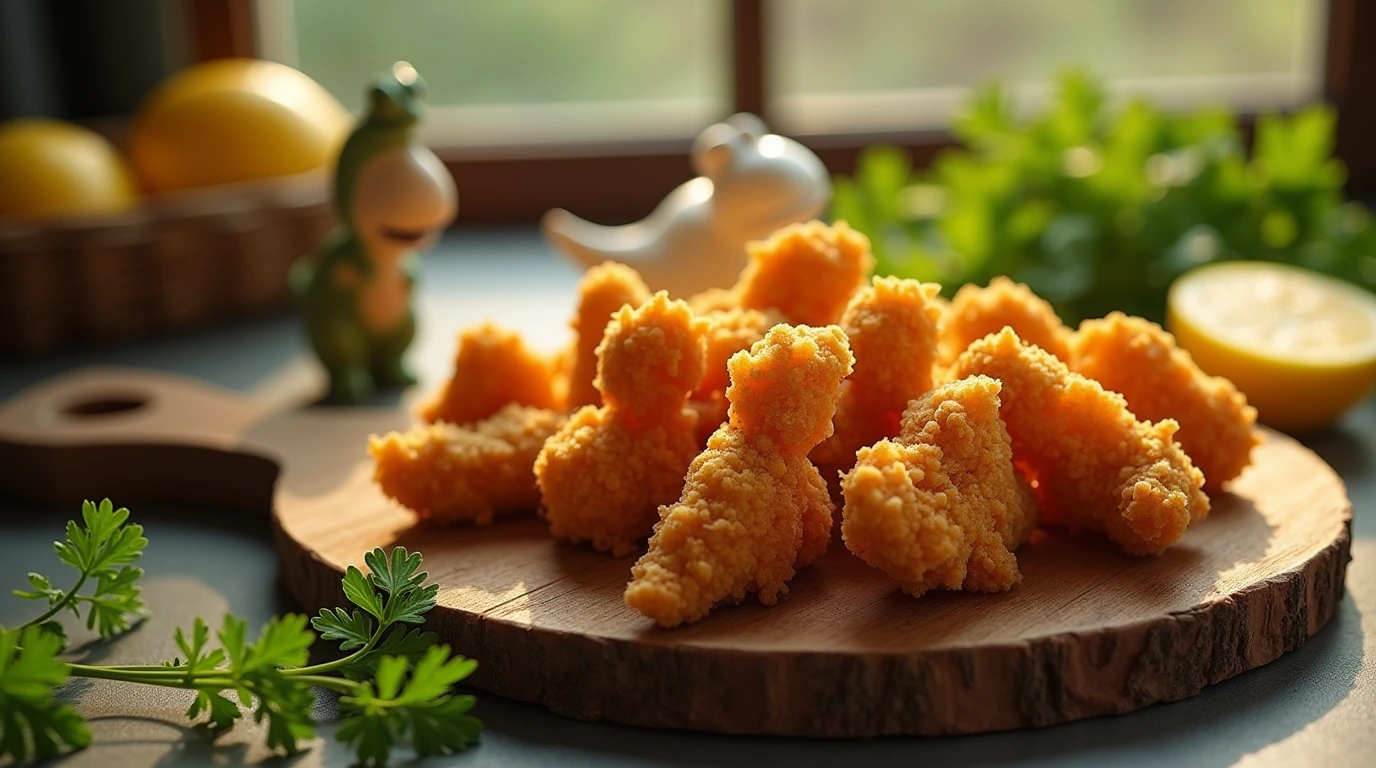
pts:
[1300, 345]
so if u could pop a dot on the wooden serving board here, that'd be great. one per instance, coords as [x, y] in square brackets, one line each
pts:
[1089, 632]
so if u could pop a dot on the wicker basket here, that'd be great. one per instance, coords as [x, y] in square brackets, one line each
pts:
[179, 261]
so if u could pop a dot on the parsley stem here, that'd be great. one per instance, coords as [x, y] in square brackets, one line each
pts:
[216, 679]
[66, 600]
[330, 666]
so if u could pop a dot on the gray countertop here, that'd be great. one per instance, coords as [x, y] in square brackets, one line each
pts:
[1316, 705]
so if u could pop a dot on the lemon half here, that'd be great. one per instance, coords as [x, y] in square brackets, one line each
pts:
[1299, 344]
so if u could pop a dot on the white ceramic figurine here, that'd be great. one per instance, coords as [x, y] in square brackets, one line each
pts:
[753, 182]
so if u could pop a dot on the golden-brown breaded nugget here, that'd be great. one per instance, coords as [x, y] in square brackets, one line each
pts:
[1095, 466]
[1139, 360]
[604, 474]
[492, 367]
[942, 506]
[728, 332]
[448, 474]
[1015, 528]
[711, 413]
[605, 288]
[753, 507]
[806, 271]
[892, 327]
[714, 300]
[977, 312]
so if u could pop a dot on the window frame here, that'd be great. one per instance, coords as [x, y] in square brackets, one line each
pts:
[498, 186]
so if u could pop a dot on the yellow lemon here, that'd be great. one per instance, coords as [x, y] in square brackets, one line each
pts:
[234, 120]
[53, 168]
[1301, 345]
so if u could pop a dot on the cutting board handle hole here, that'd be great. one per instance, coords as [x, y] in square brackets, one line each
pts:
[104, 406]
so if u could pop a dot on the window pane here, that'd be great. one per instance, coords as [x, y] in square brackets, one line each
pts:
[857, 64]
[522, 70]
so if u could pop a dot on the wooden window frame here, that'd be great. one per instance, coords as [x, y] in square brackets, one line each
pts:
[622, 181]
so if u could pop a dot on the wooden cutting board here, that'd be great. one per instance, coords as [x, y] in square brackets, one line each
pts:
[1089, 632]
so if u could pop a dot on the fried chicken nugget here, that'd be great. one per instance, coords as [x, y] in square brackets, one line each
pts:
[729, 331]
[892, 328]
[976, 312]
[942, 506]
[604, 474]
[1094, 465]
[605, 288]
[714, 300]
[1139, 360]
[492, 367]
[806, 271]
[449, 474]
[753, 508]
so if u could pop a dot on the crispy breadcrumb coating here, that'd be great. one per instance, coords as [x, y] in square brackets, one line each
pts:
[711, 413]
[605, 288]
[650, 359]
[1139, 360]
[892, 328]
[753, 507]
[449, 474]
[714, 300]
[492, 367]
[786, 387]
[604, 475]
[729, 331]
[977, 312]
[941, 507]
[1016, 527]
[1094, 464]
[806, 271]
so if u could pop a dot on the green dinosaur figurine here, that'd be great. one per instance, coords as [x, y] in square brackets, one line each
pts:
[392, 196]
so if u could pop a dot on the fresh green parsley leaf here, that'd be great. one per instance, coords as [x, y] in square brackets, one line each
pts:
[56, 630]
[397, 574]
[354, 629]
[434, 675]
[359, 589]
[392, 709]
[42, 590]
[256, 671]
[369, 735]
[286, 705]
[103, 549]
[221, 710]
[401, 641]
[117, 597]
[32, 725]
[233, 636]
[105, 541]
[283, 643]
[197, 659]
[444, 728]
[396, 683]
[410, 607]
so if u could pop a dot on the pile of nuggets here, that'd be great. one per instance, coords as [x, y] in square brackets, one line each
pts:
[725, 429]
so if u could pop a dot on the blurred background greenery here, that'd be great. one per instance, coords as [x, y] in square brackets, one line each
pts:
[1100, 209]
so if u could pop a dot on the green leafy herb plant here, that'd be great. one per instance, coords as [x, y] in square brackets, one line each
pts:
[394, 683]
[1100, 209]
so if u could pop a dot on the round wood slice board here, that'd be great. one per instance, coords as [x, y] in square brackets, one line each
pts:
[1089, 631]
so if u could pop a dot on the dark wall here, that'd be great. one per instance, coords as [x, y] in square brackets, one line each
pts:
[83, 58]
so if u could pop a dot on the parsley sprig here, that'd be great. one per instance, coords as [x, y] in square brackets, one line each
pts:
[394, 684]
[104, 550]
